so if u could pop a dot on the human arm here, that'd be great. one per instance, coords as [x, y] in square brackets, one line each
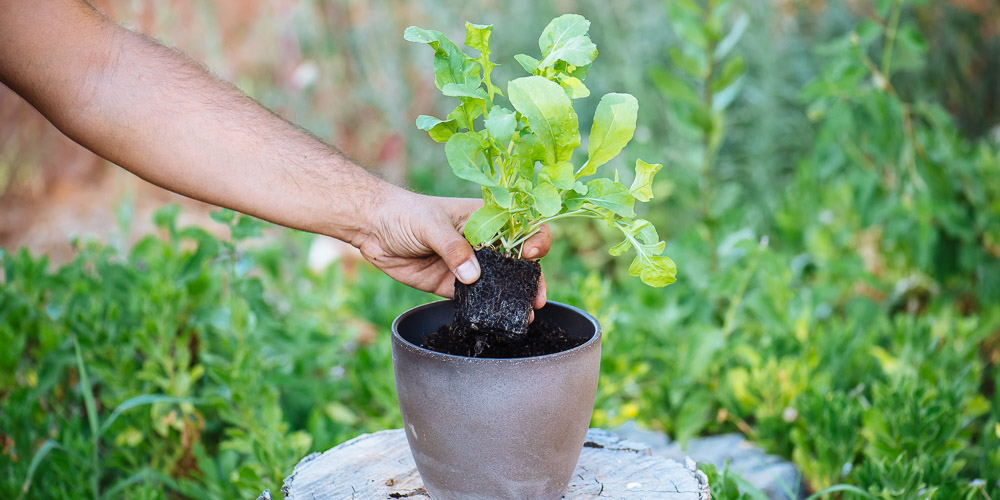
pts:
[163, 117]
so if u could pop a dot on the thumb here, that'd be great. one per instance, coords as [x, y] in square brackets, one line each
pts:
[456, 252]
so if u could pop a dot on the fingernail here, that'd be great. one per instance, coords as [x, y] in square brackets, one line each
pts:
[468, 272]
[531, 253]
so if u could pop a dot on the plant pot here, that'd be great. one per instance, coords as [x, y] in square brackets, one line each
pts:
[495, 428]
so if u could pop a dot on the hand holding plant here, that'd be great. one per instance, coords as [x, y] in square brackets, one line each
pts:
[417, 241]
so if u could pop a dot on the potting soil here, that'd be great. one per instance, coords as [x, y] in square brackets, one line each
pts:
[500, 300]
[541, 338]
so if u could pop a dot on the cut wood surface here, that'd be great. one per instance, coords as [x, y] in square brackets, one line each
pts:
[379, 465]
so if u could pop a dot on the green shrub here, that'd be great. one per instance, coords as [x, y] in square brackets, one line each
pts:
[209, 369]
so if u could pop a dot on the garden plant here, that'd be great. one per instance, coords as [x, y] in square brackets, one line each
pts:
[522, 158]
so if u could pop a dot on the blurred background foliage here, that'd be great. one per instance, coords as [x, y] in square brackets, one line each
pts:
[831, 194]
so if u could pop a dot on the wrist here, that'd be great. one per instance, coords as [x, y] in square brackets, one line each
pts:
[374, 198]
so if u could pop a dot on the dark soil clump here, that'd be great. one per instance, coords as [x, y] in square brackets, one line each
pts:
[501, 299]
[491, 315]
[541, 338]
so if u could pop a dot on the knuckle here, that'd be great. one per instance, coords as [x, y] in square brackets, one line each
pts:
[456, 250]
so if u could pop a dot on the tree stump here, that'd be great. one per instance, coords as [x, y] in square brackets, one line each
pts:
[379, 465]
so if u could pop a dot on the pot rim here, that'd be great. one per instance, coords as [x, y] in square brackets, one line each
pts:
[397, 338]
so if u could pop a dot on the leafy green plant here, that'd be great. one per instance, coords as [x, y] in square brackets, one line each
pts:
[705, 76]
[724, 484]
[909, 160]
[825, 438]
[522, 158]
[175, 369]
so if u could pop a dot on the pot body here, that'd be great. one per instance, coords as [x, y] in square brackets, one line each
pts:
[495, 428]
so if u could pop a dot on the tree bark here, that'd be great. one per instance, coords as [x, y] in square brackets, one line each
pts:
[379, 465]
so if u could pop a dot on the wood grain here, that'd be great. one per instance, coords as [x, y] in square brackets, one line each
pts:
[379, 465]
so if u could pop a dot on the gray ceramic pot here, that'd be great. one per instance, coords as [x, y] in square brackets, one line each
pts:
[495, 428]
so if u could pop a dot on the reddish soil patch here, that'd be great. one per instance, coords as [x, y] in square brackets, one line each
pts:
[52, 189]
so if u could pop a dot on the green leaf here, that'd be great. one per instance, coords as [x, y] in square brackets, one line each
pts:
[614, 123]
[646, 233]
[466, 113]
[247, 227]
[621, 248]
[85, 389]
[559, 174]
[420, 35]
[547, 199]
[36, 460]
[580, 187]
[578, 51]
[691, 29]
[528, 149]
[691, 6]
[566, 39]
[653, 270]
[451, 65]
[642, 186]
[723, 98]
[837, 488]
[702, 118]
[501, 124]
[477, 36]
[530, 64]
[731, 70]
[224, 216]
[690, 63]
[578, 72]
[484, 224]
[651, 267]
[693, 415]
[549, 113]
[501, 196]
[439, 130]
[470, 90]
[467, 157]
[731, 38]
[605, 193]
[574, 88]
[672, 86]
[145, 475]
[560, 29]
[144, 399]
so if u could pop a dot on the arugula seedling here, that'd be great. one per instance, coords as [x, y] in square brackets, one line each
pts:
[522, 158]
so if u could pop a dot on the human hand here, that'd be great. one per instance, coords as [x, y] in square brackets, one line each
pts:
[417, 240]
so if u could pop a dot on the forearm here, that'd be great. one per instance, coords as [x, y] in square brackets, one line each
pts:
[158, 114]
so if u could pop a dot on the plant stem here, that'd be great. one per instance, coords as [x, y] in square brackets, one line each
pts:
[890, 38]
[95, 477]
[727, 325]
[92, 419]
[536, 226]
[882, 76]
[708, 155]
